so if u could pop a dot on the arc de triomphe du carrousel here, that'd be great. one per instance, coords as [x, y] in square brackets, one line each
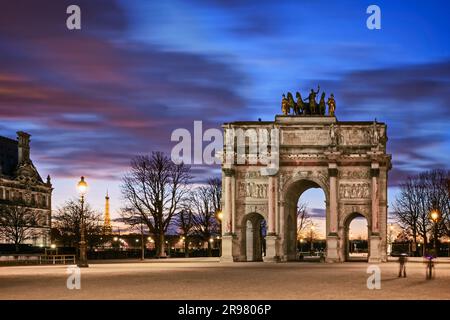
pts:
[267, 165]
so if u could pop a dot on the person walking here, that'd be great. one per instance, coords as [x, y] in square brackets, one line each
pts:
[402, 262]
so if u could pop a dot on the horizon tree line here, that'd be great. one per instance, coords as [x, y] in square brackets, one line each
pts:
[159, 195]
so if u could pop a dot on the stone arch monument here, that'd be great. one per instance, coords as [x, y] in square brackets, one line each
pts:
[347, 160]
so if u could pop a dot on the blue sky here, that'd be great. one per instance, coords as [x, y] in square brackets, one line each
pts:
[139, 69]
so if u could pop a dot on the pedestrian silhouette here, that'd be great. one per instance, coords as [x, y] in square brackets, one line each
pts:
[402, 262]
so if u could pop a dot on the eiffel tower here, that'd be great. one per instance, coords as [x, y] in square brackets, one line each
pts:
[107, 229]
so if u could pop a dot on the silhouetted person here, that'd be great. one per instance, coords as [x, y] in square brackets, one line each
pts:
[402, 262]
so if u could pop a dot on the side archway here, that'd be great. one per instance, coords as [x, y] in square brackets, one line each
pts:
[253, 235]
[356, 242]
[292, 194]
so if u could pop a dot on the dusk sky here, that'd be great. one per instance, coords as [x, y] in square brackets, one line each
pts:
[137, 70]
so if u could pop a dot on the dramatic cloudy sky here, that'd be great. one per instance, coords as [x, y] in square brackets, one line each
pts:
[137, 70]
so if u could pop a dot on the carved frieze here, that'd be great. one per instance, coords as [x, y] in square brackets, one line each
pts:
[355, 174]
[252, 190]
[312, 136]
[354, 190]
[249, 174]
[355, 136]
[258, 208]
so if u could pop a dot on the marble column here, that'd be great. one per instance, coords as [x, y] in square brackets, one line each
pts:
[227, 235]
[271, 238]
[375, 239]
[333, 172]
[375, 172]
[282, 231]
[332, 237]
[271, 206]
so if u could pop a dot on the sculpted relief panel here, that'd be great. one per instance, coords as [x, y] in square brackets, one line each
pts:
[249, 174]
[252, 190]
[306, 137]
[355, 136]
[359, 190]
[354, 174]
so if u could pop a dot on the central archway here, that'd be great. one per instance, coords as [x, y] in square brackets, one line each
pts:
[292, 195]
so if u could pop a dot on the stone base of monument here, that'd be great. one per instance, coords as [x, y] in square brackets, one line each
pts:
[332, 249]
[375, 253]
[227, 249]
[271, 252]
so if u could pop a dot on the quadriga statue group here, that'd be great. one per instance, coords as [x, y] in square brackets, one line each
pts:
[309, 105]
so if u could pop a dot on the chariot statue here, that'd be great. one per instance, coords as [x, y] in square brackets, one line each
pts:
[302, 108]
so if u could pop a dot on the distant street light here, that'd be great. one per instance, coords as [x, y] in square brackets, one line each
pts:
[435, 216]
[219, 214]
[82, 189]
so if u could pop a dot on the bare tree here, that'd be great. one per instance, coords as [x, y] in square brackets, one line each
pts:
[18, 223]
[202, 204]
[304, 220]
[67, 221]
[184, 221]
[154, 189]
[215, 187]
[419, 195]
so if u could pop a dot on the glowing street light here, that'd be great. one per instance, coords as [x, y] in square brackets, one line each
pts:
[82, 190]
[435, 216]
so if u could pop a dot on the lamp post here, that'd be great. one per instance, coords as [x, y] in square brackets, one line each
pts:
[435, 216]
[142, 242]
[219, 218]
[82, 189]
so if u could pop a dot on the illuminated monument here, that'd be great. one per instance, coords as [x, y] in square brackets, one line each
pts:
[347, 160]
[107, 219]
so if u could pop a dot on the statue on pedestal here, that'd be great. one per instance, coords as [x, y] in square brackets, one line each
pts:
[291, 102]
[312, 100]
[299, 106]
[322, 104]
[331, 105]
[284, 105]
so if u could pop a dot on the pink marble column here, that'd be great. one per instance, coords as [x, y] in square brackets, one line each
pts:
[333, 172]
[228, 202]
[375, 172]
[271, 205]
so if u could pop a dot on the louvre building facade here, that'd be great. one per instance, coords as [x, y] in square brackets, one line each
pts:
[21, 183]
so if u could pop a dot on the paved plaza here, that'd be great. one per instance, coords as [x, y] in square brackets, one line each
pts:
[206, 278]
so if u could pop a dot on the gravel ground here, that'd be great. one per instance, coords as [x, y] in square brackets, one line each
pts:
[209, 279]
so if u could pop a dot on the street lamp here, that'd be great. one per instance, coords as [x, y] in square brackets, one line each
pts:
[220, 217]
[311, 238]
[82, 189]
[435, 216]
